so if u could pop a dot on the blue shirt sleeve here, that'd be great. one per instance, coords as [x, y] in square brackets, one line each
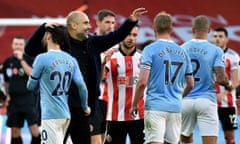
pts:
[189, 70]
[33, 81]
[146, 59]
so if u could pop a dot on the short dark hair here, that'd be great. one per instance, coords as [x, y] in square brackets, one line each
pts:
[19, 37]
[104, 13]
[59, 34]
[221, 29]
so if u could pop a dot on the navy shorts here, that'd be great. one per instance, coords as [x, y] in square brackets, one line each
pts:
[228, 118]
[98, 120]
[17, 116]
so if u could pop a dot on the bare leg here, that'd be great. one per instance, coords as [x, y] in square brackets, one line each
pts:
[209, 139]
[186, 139]
[15, 132]
[97, 139]
[35, 134]
[229, 136]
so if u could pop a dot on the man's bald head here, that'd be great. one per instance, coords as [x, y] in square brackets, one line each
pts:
[78, 25]
[75, 16]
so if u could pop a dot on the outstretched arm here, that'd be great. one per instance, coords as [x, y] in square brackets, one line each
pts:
[35, 44]
[105, 42]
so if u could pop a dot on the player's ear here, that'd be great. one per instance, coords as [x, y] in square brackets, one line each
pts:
[193, 30]
[48, 35]
[209, 30]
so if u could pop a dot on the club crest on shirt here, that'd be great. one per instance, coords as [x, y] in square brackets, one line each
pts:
[127, 81]
[15, 71]
[129, 65]
[9, 72]
[21, 72]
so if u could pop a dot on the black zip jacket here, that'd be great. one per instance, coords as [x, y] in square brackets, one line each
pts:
[87, 53]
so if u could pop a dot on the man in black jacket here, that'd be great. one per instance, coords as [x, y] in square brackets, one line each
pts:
[86, 49]
[22, 102]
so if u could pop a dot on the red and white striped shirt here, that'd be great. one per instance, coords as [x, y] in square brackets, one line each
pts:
[231, 63]
[104, 96]
[118, 91]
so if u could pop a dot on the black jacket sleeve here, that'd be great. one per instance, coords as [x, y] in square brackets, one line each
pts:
[2, 96]
[34, 45]
[104, 42]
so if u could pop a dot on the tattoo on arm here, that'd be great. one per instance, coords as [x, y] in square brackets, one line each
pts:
[221, 77]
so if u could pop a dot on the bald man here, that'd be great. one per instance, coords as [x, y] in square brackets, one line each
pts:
[86, 49]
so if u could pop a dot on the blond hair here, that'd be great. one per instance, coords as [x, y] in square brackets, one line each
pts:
[201, 24]
[163, 22]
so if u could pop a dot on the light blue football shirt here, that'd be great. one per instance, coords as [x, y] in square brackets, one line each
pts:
[204, 57]
[53, 71]
[169, 65]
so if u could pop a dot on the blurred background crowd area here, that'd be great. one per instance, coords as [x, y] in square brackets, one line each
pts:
[22, 17]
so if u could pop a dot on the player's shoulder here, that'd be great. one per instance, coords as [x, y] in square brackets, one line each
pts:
[8, 59]
[138, 52]
[152, 46]
[232, 52]
[65, 53]
[42, 55]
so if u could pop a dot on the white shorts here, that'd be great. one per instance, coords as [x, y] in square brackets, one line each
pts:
[162, 126]
[54, 130]
[201, 111]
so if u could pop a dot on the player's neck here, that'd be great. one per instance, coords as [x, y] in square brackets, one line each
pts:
[127, 51]
[201, 36]
[99, 33]
[52, 46]
[165, 36]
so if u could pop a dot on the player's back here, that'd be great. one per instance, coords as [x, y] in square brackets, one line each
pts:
[204, 57]
[55, 82]
[169, 64]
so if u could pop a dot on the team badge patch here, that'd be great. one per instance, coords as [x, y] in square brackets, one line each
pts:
[9, 72]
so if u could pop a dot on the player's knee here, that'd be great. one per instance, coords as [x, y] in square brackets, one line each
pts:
[34, 130]
[15, 132]
[186, 139]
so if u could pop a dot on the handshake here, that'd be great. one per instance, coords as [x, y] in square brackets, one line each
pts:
[229, 86]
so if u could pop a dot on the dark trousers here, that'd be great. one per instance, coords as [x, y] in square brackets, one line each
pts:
[117, 132]
[79, 129]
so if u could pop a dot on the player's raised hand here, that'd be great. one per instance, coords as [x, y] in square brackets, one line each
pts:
[137, 13]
